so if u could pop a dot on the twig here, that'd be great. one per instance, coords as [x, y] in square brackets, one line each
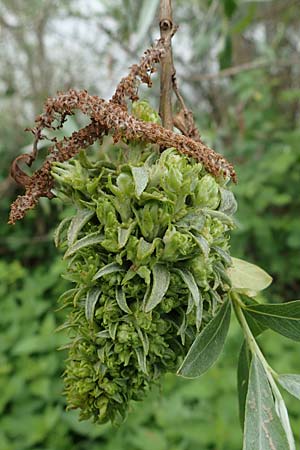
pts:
[184, 120]
[231, 71]
[167, 30]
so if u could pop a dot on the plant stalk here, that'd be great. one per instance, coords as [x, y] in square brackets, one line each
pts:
[167, 30]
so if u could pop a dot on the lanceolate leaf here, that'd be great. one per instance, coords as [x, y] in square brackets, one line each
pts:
[208, 345]
[281, 410]
[108, 269]
[59, 230]
[161, 281]
[90, 303]
[141, 357]
[243, 370]
[290, 383]
[246, 277]
[146, 17]
[202, 243]
[219, 215]
[121, 300]
[141, 177]
[284, 318]
[77, 223]
[228, 204]
[189, 280]
[256, 327]
[263, 429]
[90, 239]
[123, 234]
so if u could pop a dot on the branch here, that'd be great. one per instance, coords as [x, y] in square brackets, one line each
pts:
[231, 71]
[167, 30]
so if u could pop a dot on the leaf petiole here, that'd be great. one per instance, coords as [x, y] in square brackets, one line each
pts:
[251, 341]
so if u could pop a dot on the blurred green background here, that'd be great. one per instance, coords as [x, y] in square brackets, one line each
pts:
[238, 65]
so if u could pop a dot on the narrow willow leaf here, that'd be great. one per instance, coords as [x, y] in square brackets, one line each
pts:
[208, 345]
[59, 230]
[192, 221]
[141, 357]
[263, 429]
[227, 220]
[256, 327]
[246, 277]
[112, 329]
[144, 339]
[123, 235]
[182, 327]
[121, 300]
[291, 383]
[228, 204]
[77, 223]
[284, 318]
[146, 18]
[161, 281]
[104, 334]
[243, 371]
[90, 239]
[190, 304]
[108, 269]
[202, 243]
[90, 303]
[141, 178]
[224, 255]
[189, 280]
[282, 413]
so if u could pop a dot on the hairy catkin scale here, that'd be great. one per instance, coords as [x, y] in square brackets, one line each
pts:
[148, 250]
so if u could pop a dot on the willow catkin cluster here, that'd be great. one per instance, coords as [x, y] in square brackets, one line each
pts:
[147, 250]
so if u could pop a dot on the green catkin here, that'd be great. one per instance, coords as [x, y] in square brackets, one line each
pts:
[148, 250]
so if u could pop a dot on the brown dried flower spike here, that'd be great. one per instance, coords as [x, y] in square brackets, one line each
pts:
[106, 117]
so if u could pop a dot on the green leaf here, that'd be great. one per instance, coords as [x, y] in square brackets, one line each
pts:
[228, 204]
[256, 327]
[121, 300]
[141, 178]
[144, 340]
[291, 383]
[225, 56]
[227, 220]
[146, 17]
[281, 410]
[189, 280]
[124, 233]
[247, 278]
[208, 345]
[108, 269]
[284, 318]
[243, 370]
[59, 230]
[223, 254]
[161, 281]
[263, 429]
[141, 357]
[77, 223]
[90, 239]
[90, 303]
[229, 7]
[202, 243]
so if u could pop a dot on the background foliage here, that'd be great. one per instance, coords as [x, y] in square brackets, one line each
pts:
[251, 113]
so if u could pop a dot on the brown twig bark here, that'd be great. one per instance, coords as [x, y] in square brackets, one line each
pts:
[167, 30]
